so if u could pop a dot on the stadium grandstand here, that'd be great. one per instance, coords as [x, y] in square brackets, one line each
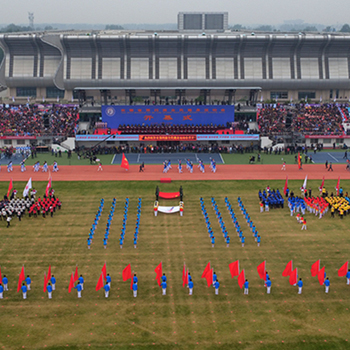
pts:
[250, 77]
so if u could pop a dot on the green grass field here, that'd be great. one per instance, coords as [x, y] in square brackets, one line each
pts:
[282, 320]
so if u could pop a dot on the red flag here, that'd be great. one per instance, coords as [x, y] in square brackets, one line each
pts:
[293, 277]
[76, 275]
[45, 282]
[159, 271]
[184, 276]
[262, 270]
[299, 161]
[71, 283]
[21, 278]
[132, 282]
[0, 276]
[48, 186]
[315, 267]
[338, 186]
[320, 276]
[288, 270]
[209, 277]
[234, 268]
[10, 188]
[100, 282]
[285, 186]
[125, 163]
[341, 272]
[322, 184]
[241, 279]
[207, 268]
[126, 273]
[104, 271]
[48, 274]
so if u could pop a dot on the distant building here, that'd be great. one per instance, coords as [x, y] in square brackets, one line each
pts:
[202, 21]
[131, 66]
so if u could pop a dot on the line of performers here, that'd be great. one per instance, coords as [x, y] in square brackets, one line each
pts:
[36, 166]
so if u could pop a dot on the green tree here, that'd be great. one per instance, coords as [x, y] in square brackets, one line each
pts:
[113, 27]
[345, 29]
[310, 29]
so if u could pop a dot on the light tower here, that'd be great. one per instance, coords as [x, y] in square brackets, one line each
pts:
[31, 20]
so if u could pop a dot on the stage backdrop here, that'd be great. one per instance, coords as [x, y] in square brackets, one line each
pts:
[176, 115]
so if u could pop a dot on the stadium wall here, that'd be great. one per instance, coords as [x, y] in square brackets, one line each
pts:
[284, 66]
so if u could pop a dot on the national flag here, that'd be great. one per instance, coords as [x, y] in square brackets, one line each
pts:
[293, 277]
[184, 276]
[125, 162]
[209, 277]
[126, 273]
[241, 279]
[320, 275]
[21, 278]
[71, 283]
[322, 184]
[159, 271]
[261, 268]
[0, 276]
[100, 282]
[234, 268]
[27, 188]
[338, 186]
[207, 268]
[76, 275]
[288, 269]
[10, 188]
[315, 267]
[299, 161]
[48, 186]
[341, 272]
[104, 271]
[285, 186]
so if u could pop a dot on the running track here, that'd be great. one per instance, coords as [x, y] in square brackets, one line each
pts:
[154, 173]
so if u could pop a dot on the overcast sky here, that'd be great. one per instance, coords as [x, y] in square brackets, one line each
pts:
[165, 11]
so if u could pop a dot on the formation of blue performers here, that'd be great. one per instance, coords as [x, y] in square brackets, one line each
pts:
[207, 222]
[138, 217]
[296, 205]
[221, 222]
[109, 221]
[271, 199]
[235, 222]
[96, 220]
[249, 222]
[125, 219]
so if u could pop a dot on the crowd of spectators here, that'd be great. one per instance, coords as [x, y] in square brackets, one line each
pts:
[325, 119]
[38, 120]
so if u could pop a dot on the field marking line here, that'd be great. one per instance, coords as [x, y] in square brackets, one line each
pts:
[138, 158]
[112, 162]
[333, 157]
[222, 159]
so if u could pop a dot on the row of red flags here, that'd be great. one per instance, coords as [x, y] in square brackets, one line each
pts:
[304, 185]
[29, 186]
[207, 274]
